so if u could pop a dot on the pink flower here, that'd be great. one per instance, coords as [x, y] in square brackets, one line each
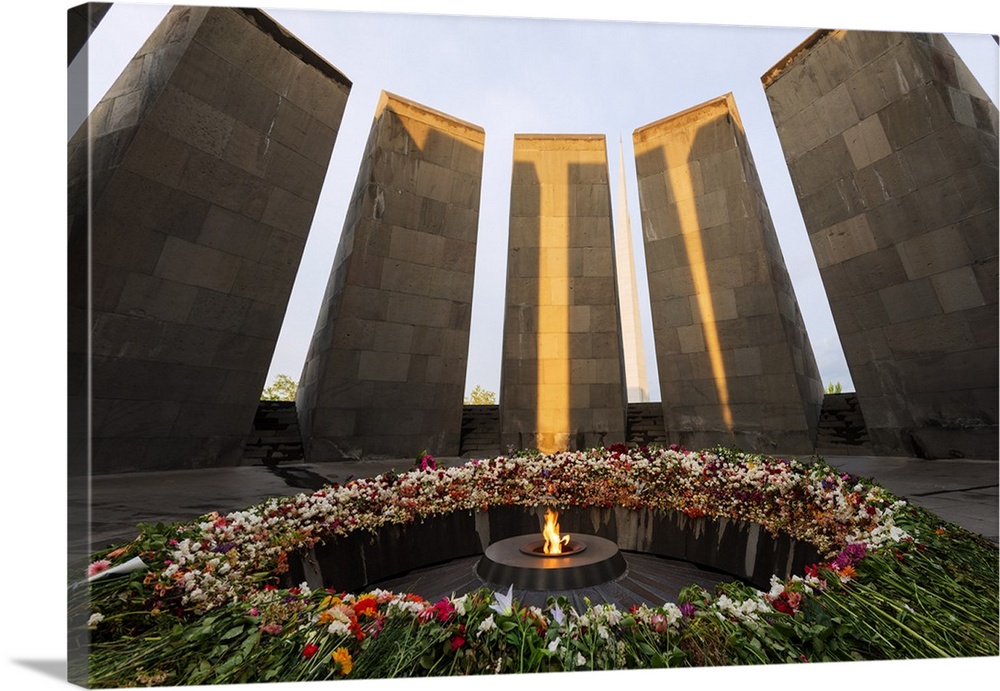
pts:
[271, 629]
[444, 609]
[98, 566]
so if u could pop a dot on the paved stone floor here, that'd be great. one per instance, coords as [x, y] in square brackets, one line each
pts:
[648, 579]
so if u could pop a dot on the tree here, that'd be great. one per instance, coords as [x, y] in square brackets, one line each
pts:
[481, 396]
[833, 388]
[283, 388]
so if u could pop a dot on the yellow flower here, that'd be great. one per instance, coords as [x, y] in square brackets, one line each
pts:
[329, 601]
[343, 659]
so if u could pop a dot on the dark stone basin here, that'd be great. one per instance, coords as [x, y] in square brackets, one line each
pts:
[596, 560]
[744, 550]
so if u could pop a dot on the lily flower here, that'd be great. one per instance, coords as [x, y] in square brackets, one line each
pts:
[558, 616]
[502, 605]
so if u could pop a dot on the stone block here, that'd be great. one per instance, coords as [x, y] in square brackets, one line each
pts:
[910, 300]
[900, 119]
[866, 141]
[839, 242]
[836, 112]
[831, 203]
[934, 252]
[883, 180]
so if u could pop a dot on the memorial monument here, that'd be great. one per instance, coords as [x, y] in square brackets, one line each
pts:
[892, 148]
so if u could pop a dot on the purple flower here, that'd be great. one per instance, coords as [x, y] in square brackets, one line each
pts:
[558, 615]
[850, 555]
[687, 609]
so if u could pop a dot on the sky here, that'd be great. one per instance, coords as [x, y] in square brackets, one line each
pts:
[579, 97]
[519, 75]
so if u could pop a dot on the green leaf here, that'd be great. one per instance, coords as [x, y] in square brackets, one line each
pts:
[250, 642]
[232, 633]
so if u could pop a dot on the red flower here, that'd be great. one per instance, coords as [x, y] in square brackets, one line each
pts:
[443, 610]
[457, 642]
[364, 605]
[782, 606]
[310, 650]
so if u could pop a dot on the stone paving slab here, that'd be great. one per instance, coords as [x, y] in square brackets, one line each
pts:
[964, 492]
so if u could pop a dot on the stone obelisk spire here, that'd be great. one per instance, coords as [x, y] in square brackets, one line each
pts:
[635, 356]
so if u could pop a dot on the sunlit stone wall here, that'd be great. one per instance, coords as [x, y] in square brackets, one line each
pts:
[734, 359]
[562, 383]
[385, 372]
[192, 188]
[892, 147]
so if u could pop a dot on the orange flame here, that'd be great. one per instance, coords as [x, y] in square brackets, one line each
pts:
[553, 541]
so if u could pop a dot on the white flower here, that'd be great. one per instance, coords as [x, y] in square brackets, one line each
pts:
[485, 625]
[612, 615]
[459, 604]
[554, 644]
[95, 619]
[580, 660]
[503, 602]
[672, 612]
[338, 628]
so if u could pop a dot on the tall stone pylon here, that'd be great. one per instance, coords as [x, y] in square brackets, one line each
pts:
[385, 371]
[733, 356]
[562, 382]
[892, 148]
[192, 189]
[632, 342]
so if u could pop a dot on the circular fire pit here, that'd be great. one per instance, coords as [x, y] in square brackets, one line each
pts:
[537, 548]
[514, 561]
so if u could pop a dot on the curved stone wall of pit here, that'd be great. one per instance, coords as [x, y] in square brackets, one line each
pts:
[744, 550]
